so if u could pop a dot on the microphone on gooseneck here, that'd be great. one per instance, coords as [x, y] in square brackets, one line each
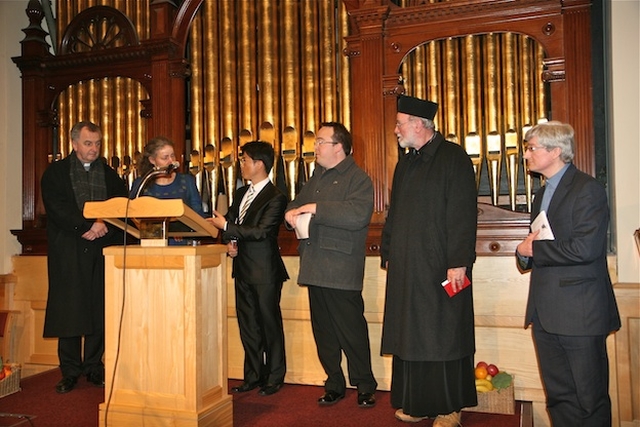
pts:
[167, 169]
[155, 172]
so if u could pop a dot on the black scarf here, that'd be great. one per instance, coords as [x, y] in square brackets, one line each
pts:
[87, 185]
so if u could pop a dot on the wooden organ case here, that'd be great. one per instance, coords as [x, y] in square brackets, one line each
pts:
[382, 33]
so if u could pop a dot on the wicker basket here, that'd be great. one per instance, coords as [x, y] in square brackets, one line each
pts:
[11, 383]
[501, 401]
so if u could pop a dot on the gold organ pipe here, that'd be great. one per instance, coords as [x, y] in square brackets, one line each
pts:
[228, 68]
[290, 69]
[528, 84]
[268, 83]
[471, 77]
[310, 68]
[211, 52]
[119, 114]
[493, 114]
[290, 51]
[433, 72]
[510, 72]
[290, 138]
[446, 114]
[343, 61]
[541, 89]
[247, 75]
[106, 105]
[196, 104]
[213, 152]
[491, 89]
[418, 69]
[328, 56]
[228, 95]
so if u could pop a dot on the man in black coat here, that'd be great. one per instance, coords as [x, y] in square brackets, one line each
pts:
[429, 237]
[75, 303]
[251, 229]
[571, 303]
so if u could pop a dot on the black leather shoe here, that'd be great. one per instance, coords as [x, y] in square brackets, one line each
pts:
[96, 378]
[330, 398]
[244, 387]
[66, 384]
[366, 400]
[269, 389]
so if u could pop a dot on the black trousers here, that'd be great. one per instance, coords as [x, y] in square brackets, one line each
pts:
[71, 352]
[261, 332]
[575, 374]
[337, 319]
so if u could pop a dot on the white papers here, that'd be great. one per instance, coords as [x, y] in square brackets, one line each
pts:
[541, 223]
[302, 225]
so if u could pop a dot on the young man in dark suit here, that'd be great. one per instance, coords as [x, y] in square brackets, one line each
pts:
[250, 229]
[571, 302]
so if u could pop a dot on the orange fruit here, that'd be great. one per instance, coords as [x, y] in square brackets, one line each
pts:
[481, 372]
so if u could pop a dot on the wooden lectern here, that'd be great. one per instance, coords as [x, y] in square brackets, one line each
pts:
[165, 324]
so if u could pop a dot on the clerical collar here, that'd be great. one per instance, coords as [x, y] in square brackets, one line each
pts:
[418, 151]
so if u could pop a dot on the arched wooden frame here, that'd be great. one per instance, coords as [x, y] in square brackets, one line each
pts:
[157, 63]
[382, 34]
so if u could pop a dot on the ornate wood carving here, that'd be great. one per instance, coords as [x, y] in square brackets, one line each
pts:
[98, 28]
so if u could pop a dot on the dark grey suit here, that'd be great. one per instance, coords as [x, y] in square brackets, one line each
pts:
[571, 302]
[259, 272]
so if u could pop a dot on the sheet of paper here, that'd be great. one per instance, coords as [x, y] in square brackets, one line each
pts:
[302, 226]
[542, 223]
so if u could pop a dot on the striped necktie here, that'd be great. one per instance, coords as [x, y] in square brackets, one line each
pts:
[246, 204]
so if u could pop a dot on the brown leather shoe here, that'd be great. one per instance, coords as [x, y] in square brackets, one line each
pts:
[408, 418]
[450, 420]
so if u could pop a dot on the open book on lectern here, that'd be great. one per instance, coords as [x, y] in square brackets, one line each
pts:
[147, 208]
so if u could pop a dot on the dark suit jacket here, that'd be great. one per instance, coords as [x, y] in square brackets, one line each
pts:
[570, 286]
[258, 261]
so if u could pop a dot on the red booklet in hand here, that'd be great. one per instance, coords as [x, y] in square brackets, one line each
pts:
[446, 285]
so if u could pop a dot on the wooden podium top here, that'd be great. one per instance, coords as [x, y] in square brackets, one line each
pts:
[118, 209]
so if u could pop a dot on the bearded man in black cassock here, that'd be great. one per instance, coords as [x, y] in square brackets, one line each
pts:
[429, 237]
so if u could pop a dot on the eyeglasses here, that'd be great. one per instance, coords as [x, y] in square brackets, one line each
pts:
[532, 148]
[322, 142]
[243, 159]
[399, 125]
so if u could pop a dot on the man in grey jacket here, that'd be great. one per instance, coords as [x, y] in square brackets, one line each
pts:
[339, 198]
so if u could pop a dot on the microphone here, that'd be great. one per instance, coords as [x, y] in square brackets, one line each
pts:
[167, 169]
[156, 171]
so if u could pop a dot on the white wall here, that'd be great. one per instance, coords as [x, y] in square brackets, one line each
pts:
[12, 20]
[625, 54]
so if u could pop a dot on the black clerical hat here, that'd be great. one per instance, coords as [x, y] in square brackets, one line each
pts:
[417, 107]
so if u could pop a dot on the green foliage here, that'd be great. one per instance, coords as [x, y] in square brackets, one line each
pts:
[502, 380]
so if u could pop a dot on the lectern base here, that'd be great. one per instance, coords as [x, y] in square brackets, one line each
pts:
[219, 414]
[165, 337]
